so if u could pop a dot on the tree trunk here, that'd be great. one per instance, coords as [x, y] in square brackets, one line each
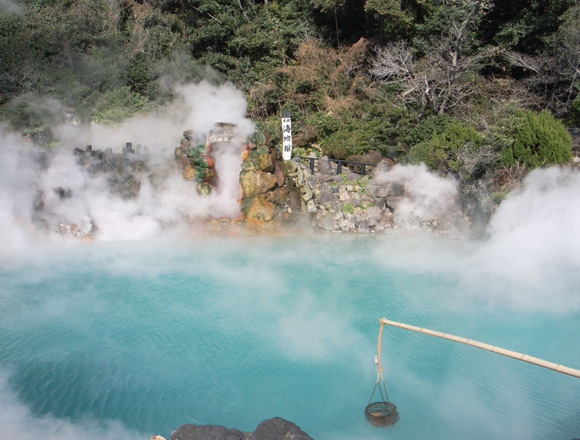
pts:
[336, 24]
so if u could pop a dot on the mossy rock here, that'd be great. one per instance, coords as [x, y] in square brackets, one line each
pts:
[257, 208]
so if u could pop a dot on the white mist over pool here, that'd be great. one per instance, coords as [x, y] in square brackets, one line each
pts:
[32, 176]
[123, 340]
[150, 328]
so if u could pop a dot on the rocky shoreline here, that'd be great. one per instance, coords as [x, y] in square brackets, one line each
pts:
[382, 201]
[278, 196]
[275, 428]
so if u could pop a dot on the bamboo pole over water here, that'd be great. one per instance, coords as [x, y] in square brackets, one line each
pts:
[520, 356]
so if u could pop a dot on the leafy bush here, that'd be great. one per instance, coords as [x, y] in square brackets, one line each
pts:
[32, 112]
[427, 127]
[444, 150]
[118, 104]
[341, 144]
[540, 139]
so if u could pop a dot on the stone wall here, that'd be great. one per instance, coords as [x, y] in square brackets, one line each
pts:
[350, 202]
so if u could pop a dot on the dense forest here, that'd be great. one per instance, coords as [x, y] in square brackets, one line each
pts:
[483, 90]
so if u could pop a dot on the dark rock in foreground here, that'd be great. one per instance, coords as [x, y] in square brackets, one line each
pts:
[270, 429]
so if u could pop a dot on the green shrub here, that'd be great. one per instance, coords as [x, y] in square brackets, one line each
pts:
[342, 144]
[540, 139]
[442, 152]
[118, 104]
[427, 127]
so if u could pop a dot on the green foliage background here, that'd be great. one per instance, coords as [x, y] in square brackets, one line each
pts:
[109, 60]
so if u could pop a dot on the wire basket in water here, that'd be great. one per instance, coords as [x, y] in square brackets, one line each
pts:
[381, 413]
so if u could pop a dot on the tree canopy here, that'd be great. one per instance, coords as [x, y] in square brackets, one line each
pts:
[411, 79]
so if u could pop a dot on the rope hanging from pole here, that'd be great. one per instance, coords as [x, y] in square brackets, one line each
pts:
[381, 413]
[380, 378]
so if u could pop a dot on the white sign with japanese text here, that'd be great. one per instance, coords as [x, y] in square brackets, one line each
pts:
[286, 138]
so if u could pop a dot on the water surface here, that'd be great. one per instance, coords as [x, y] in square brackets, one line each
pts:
[135, 339]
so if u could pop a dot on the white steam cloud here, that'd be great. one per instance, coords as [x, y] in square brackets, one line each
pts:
[197, 107]
[12, 7]
[427, 195]
[531, 258]
[17, 421]
[52, 185]
[535, 239]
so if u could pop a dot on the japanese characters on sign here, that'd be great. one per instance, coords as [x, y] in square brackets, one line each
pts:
[286, 136]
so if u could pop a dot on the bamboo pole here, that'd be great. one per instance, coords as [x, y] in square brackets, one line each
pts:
[520, 356]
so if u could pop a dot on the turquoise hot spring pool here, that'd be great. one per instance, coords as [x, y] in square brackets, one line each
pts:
[125, 340]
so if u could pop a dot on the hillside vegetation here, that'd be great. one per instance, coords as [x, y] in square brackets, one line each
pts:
[479, 89]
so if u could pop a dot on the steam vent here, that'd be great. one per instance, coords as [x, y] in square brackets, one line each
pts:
[196, 162]
[268, 197]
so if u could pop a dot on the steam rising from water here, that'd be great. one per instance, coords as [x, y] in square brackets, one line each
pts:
[430, 195]
[530, 261]
[17, 422]
[533, 240]
[30, 176]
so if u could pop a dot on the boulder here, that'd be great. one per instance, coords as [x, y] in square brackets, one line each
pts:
[364, 226]
[290, 166]
[306, 193]
[394, 201]
[279, 173]
[380, 202]
[343, 194]
[300, 177]
[324, 197]
[280, 196]
[336, 205]
[257, 182]
[260, 159]
[397, 189]
[279, 429]
[208, 432]
[326, 223]
[190, 173]
[257, 208]
[383, 166]
[324, 165]
[378, 191]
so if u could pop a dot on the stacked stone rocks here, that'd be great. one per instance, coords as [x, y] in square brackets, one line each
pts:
[122, 172]
[350, 202]
[267, 194]
[341, 203]
[194, 159]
